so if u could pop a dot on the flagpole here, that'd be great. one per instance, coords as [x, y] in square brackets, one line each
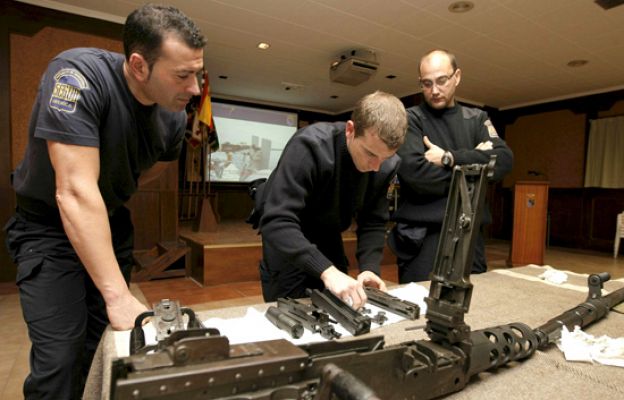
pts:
[207, 220]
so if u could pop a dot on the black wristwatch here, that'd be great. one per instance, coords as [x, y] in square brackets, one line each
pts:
[447, 159]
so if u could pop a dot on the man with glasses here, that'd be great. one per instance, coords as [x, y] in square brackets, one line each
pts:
[329, 175]
[441, 134]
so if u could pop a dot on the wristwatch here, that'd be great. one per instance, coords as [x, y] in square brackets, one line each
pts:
[447, 159]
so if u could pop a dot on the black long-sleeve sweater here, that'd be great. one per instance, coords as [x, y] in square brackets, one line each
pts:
[312, 196]
[424, 185]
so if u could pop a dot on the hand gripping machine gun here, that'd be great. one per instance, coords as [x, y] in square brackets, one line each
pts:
[206, 366]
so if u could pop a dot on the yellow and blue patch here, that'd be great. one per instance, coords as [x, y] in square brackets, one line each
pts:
[66, 93]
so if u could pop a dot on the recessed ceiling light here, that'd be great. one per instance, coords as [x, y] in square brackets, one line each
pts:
[577, 63]
[391, 76]
[333, 96]
[223, 77]
[263, 45]
[461, 6]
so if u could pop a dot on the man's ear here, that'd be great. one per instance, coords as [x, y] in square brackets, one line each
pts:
[457, 77]
[138, 67]
[350, 130]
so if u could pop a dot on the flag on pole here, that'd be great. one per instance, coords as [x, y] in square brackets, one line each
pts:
[205, 107]
[205, 115]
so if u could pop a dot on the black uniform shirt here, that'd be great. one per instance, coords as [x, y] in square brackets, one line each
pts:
[83, 99]
[458, 129]
[312, 196]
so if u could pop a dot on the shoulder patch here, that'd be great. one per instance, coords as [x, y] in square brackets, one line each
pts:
[490, 128]
[68, 85]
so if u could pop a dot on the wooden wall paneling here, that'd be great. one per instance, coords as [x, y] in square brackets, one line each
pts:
[561, 162]
[169, 204]
[233, 203]
[168, 216]
[584, 218]
[602, 207]
[7, 199]
[499, 201]
[566, 217]
[615, 111]
[146, 217]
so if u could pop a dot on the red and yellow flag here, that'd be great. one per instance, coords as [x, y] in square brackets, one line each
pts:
[205, 107]
[204, 115]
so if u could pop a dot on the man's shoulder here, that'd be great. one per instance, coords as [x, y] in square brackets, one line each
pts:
[88, 55]
[472, 112]
[320, 131]
[416, 111]
[85, 64]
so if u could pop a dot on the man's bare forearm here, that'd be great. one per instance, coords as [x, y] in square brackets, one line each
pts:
[85, 220]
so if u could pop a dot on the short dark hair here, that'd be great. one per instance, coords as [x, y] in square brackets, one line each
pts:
[383, 112]
[147, 26]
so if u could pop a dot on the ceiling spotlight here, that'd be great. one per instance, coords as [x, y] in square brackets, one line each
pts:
[461, 6]
[577, 63]
[263, 45]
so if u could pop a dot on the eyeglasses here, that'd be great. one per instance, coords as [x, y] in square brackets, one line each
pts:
[440, 81]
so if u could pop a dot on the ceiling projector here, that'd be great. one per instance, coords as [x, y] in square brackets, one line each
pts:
[354, 67]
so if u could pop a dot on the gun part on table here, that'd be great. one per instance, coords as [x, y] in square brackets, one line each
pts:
[392, 303]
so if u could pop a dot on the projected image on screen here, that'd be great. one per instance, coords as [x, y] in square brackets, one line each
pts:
[251, 142]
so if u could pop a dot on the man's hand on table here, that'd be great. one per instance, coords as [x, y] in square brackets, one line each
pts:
[368, 278]
[122, 312]
[342, 285]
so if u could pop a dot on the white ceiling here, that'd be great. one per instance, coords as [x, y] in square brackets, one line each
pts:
[512, 52]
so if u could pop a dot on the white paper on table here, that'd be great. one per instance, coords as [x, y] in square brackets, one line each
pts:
[554, 276]
[254, 326]
[580, 346]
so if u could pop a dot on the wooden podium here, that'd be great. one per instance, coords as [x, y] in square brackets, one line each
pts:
[529, 223]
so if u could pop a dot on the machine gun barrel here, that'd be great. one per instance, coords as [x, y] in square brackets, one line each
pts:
[584, 314]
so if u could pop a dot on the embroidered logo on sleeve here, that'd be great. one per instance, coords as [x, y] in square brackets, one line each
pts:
[490, 128]
[66, 93]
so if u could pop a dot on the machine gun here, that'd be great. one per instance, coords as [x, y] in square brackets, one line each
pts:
[425, 369]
